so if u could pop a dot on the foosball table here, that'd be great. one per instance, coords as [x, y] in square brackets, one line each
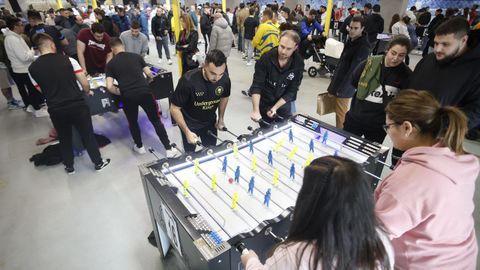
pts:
[243, 190]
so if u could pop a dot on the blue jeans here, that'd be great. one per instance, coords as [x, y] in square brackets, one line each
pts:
[240, 41]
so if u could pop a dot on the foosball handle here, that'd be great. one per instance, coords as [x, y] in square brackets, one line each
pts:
[241, 248]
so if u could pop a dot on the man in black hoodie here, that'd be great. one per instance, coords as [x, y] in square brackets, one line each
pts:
[374, 25]
[277, 78]
[355, 51]
[451, 73]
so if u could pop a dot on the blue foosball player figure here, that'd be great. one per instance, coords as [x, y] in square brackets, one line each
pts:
[250, 145]
[290, 135]
[237, 174]
[224, 166]
[251, 185]
[266, 201]
[292, 171]
[270, 158]
[311, 146]
[325, 137]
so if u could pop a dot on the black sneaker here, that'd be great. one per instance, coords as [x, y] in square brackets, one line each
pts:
[103, 164]
[69, 170]
[246, 93]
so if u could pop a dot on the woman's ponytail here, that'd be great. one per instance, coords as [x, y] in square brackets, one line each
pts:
[453, 127]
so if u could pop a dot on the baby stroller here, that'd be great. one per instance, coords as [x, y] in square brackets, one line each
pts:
[327, 57]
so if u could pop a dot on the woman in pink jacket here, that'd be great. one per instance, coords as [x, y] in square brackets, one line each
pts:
[334, 224]
[426, 203]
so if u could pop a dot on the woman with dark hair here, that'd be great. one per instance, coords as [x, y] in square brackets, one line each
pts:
[426, 203]
[377, 80]
[187, 43]
[334, 224]
[395, 19]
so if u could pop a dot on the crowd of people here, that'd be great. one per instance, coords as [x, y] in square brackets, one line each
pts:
[420, 216]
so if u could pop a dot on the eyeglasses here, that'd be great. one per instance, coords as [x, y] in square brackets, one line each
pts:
[386, 127]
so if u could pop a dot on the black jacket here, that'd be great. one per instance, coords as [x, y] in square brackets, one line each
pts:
[160, 26]
[456, 83]
[206, 24]
[353, 54]
[373, 26]
[273, 82]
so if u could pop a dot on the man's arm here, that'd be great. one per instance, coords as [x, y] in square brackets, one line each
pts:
[80, 53]
[112, 88]
[109, 57]
[256, 116]
[221, 112]
[83, 82]
[177, 115]
[148, 73]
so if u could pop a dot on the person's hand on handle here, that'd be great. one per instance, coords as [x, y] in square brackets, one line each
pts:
[272, 113]
[192, 138]
[255, 116]
[245, 257]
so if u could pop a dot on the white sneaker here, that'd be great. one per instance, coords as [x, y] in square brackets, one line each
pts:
[173, 153]
[42, 112]
[160, 60]
[249, 63]
[169, 61]
[30, 109]
[139, 150]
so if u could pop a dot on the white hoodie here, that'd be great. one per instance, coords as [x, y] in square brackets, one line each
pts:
[18, 52]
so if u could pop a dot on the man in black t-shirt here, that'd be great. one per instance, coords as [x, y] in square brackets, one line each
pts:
[198, 95]
[38, 26]
[129, 69]
[56, 76]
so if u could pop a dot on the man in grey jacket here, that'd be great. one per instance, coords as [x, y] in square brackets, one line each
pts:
[135, 41]
[222, 36]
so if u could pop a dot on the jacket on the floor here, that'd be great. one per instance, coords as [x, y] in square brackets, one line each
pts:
[265, 39]
[456, 83]
[426, 205]
[221, 37]
[273, 82]
[18, 52]
[353, 54]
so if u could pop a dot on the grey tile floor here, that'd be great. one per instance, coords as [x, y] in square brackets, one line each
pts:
[90, 220]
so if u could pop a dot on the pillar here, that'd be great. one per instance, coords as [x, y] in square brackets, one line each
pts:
[390, 7]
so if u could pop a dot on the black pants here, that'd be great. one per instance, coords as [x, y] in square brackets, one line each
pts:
[30, 95]
[207, 140]
[205, 35]
[376, 134]
[77, 116]
[95, 70]
[149, 105]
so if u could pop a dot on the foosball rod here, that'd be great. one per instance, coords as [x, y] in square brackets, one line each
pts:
[270, 139]
[151, 150]
[200, 169]
[246, 180]
[261, 151]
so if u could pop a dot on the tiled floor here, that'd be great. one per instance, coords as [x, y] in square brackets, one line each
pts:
[90, 220]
